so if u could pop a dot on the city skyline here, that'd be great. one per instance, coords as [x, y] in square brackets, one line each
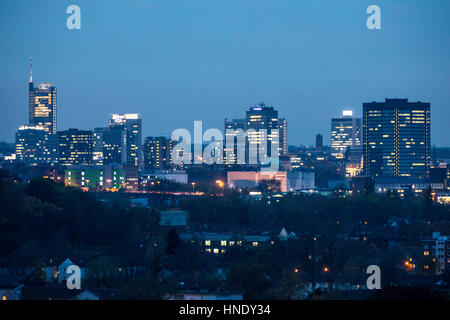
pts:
[242, 150]
[401, 128]
[193, 82]
[43, 88]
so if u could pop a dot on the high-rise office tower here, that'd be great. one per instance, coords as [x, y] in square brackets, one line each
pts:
[35, 146]
[132, 125]
[319, 142]
[396, 138]
[157, 152]
[283, 129]
[97, 146]
[230, 152]
[75, 147]
[42, 105]
[115, 145]
[346, 137]
[261, 118]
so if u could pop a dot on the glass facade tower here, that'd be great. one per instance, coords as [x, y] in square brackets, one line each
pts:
[396, 138]
[75, 147]
[132, 125]
[42, 106]
[157, 152]
[346, 137]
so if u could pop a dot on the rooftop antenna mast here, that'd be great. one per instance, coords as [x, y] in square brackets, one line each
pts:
[31, 69]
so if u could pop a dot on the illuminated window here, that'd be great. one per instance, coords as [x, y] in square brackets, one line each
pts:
[223, 243]
[255, 244]
[216, 250]
[207, 243]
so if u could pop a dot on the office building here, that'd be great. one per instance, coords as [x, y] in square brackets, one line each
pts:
[406, 186]
[177, 176]
[319, 142]
[220, 243]
[157, 152]
[133, 134]
[97, 146]
[110, 177]
[300, 180]
[257, 120]
[85, 177]
[42, 105]
[115, 145]
[233, 133]
[37, 142]
[34, 146]
[250, 179]
[346, 137]
[396, 137]
[283, 130]
[75, 147]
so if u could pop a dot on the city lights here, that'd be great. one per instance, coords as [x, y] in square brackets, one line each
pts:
[230, 151]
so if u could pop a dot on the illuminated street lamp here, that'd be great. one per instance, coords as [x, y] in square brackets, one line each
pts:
[220, 183]
[193, 186]
[325, 269]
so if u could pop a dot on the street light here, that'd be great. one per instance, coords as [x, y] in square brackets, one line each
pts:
[193, 186]
[220, 183]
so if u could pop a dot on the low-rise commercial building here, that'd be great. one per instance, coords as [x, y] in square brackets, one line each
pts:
[178, 176]
[248, 179]
[218, 243]
[403, 185]
[111, 176]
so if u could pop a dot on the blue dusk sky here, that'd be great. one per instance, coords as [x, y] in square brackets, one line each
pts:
[176, 61]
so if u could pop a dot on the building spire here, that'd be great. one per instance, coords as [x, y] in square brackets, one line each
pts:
[31, 69]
